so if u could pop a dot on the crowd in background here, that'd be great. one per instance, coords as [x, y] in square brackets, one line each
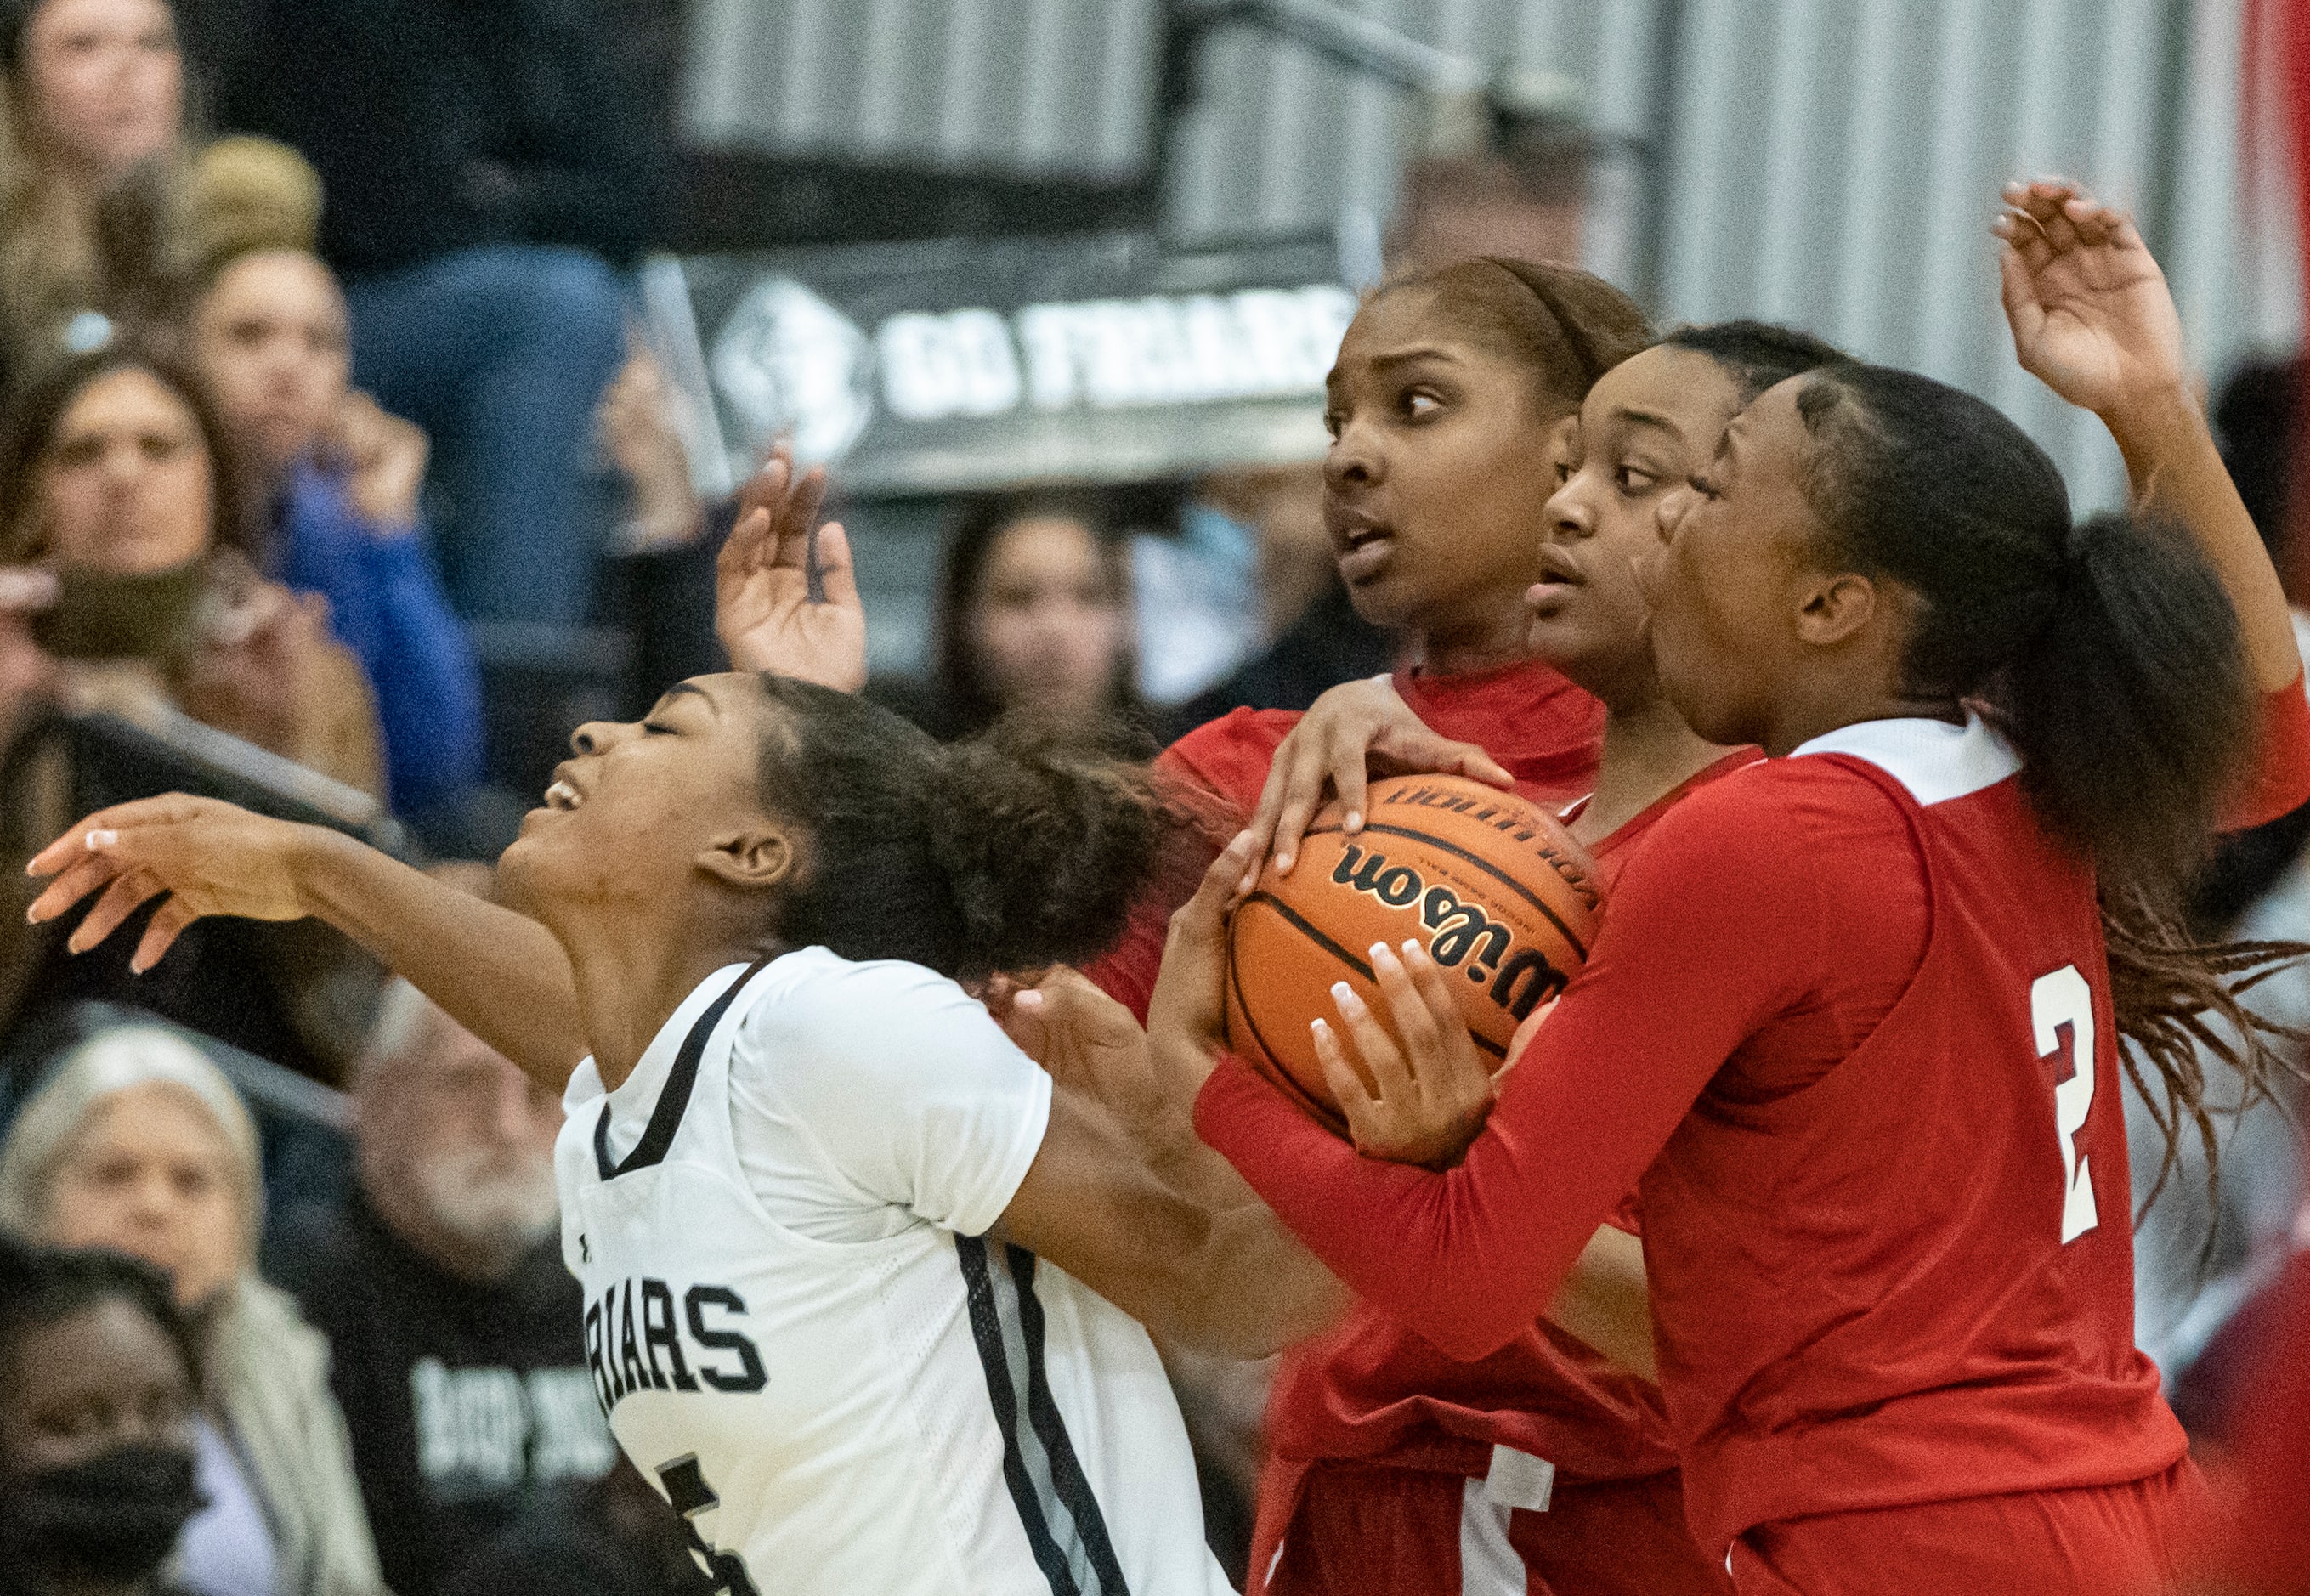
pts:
[325, 416]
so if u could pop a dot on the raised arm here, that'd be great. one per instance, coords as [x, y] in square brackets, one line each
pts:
[785, 596]
[499, 974]
[2093, 319]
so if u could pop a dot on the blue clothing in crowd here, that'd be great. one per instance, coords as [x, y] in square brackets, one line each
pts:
[387, 606]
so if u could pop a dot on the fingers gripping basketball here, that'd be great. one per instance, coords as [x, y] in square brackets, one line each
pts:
[1503, 898]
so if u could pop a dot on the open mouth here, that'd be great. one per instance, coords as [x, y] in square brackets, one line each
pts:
[1559, 575]
[562, 796]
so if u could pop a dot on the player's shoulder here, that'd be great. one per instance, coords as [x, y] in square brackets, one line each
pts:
[815, 998]
[1767, 814]
[1230, 755]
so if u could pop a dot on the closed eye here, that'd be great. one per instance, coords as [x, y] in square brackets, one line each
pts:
[654, 729]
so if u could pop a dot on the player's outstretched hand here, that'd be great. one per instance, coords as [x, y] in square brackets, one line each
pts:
[1354, 728]
[785, 598]
[1421, 1102]
[2091, 314]
[1186, 1016]
[207, 857]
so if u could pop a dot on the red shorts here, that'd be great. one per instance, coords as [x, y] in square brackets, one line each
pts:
[2097, 1541]
[1361, 1528]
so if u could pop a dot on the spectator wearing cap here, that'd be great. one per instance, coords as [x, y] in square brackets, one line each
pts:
[137, 1143]
[438, 1281]
[484, 175]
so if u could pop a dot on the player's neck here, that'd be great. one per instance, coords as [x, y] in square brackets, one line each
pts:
[631, 980]
[1488, 633]
[1649, 752]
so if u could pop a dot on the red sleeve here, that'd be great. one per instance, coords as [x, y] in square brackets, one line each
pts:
[1470, 1258]
[2280, 780]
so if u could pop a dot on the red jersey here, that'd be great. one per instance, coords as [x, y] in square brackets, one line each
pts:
[1847, 1017]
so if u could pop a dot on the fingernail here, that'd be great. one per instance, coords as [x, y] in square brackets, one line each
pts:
[1320, 1026]
[1282, 863]
[1410, 946]
[1345, 996]
[101, 839]
[1354, 820]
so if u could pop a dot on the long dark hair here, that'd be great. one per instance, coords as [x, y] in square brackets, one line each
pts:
[1007, 851]
[967, 702]
[39, 409]
[2109, 656]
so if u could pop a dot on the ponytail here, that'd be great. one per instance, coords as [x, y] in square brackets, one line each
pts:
[2107, 653]
[2131, 705]
[1007, 851]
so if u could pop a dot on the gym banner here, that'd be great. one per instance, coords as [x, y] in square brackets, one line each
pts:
[954, 365]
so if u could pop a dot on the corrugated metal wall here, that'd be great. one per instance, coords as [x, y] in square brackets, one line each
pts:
[1830, 162]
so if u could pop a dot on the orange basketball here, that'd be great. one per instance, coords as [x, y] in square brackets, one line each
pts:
[1502, 897]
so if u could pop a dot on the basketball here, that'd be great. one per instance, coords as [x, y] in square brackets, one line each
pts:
[1503, 898]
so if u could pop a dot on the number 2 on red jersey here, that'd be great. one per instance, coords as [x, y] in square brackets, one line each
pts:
[2062, 1000]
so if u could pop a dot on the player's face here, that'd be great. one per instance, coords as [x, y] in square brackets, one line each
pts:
[93, 1381]
[1730, 581]
[1438, 445]
[1647, 424]
[630, 814]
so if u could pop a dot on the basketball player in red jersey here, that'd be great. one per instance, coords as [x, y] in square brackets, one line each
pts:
[1851, 1012]
[1443, 404]
[1379, 1444]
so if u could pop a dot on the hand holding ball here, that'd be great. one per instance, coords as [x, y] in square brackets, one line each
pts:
[1503, 898]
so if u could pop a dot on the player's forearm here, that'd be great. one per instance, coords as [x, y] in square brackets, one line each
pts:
[1261, 1289]
[2173, 464]
[499, 974]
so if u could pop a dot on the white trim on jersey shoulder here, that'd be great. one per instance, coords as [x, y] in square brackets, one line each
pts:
[1937, 761]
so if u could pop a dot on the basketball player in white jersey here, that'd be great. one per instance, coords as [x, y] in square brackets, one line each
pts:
[856, 1272]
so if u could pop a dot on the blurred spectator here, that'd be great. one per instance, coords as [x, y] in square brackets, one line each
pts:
[1034, 617]
[456, 1329]
[139, 1144]
[483, 172]
[97, 1468]
[1316, 640]
[336, 482]
[114, 473]
[95, 98]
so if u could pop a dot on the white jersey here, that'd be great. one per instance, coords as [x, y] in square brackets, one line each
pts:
[801, 1337]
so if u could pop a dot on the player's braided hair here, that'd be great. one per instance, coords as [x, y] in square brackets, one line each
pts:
[1006, 852]
[2108, 654]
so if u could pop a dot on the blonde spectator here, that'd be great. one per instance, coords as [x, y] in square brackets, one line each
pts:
[139, 1144]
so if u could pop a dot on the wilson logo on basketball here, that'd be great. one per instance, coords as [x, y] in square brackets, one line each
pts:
[1490, 883]
[1458, 929]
